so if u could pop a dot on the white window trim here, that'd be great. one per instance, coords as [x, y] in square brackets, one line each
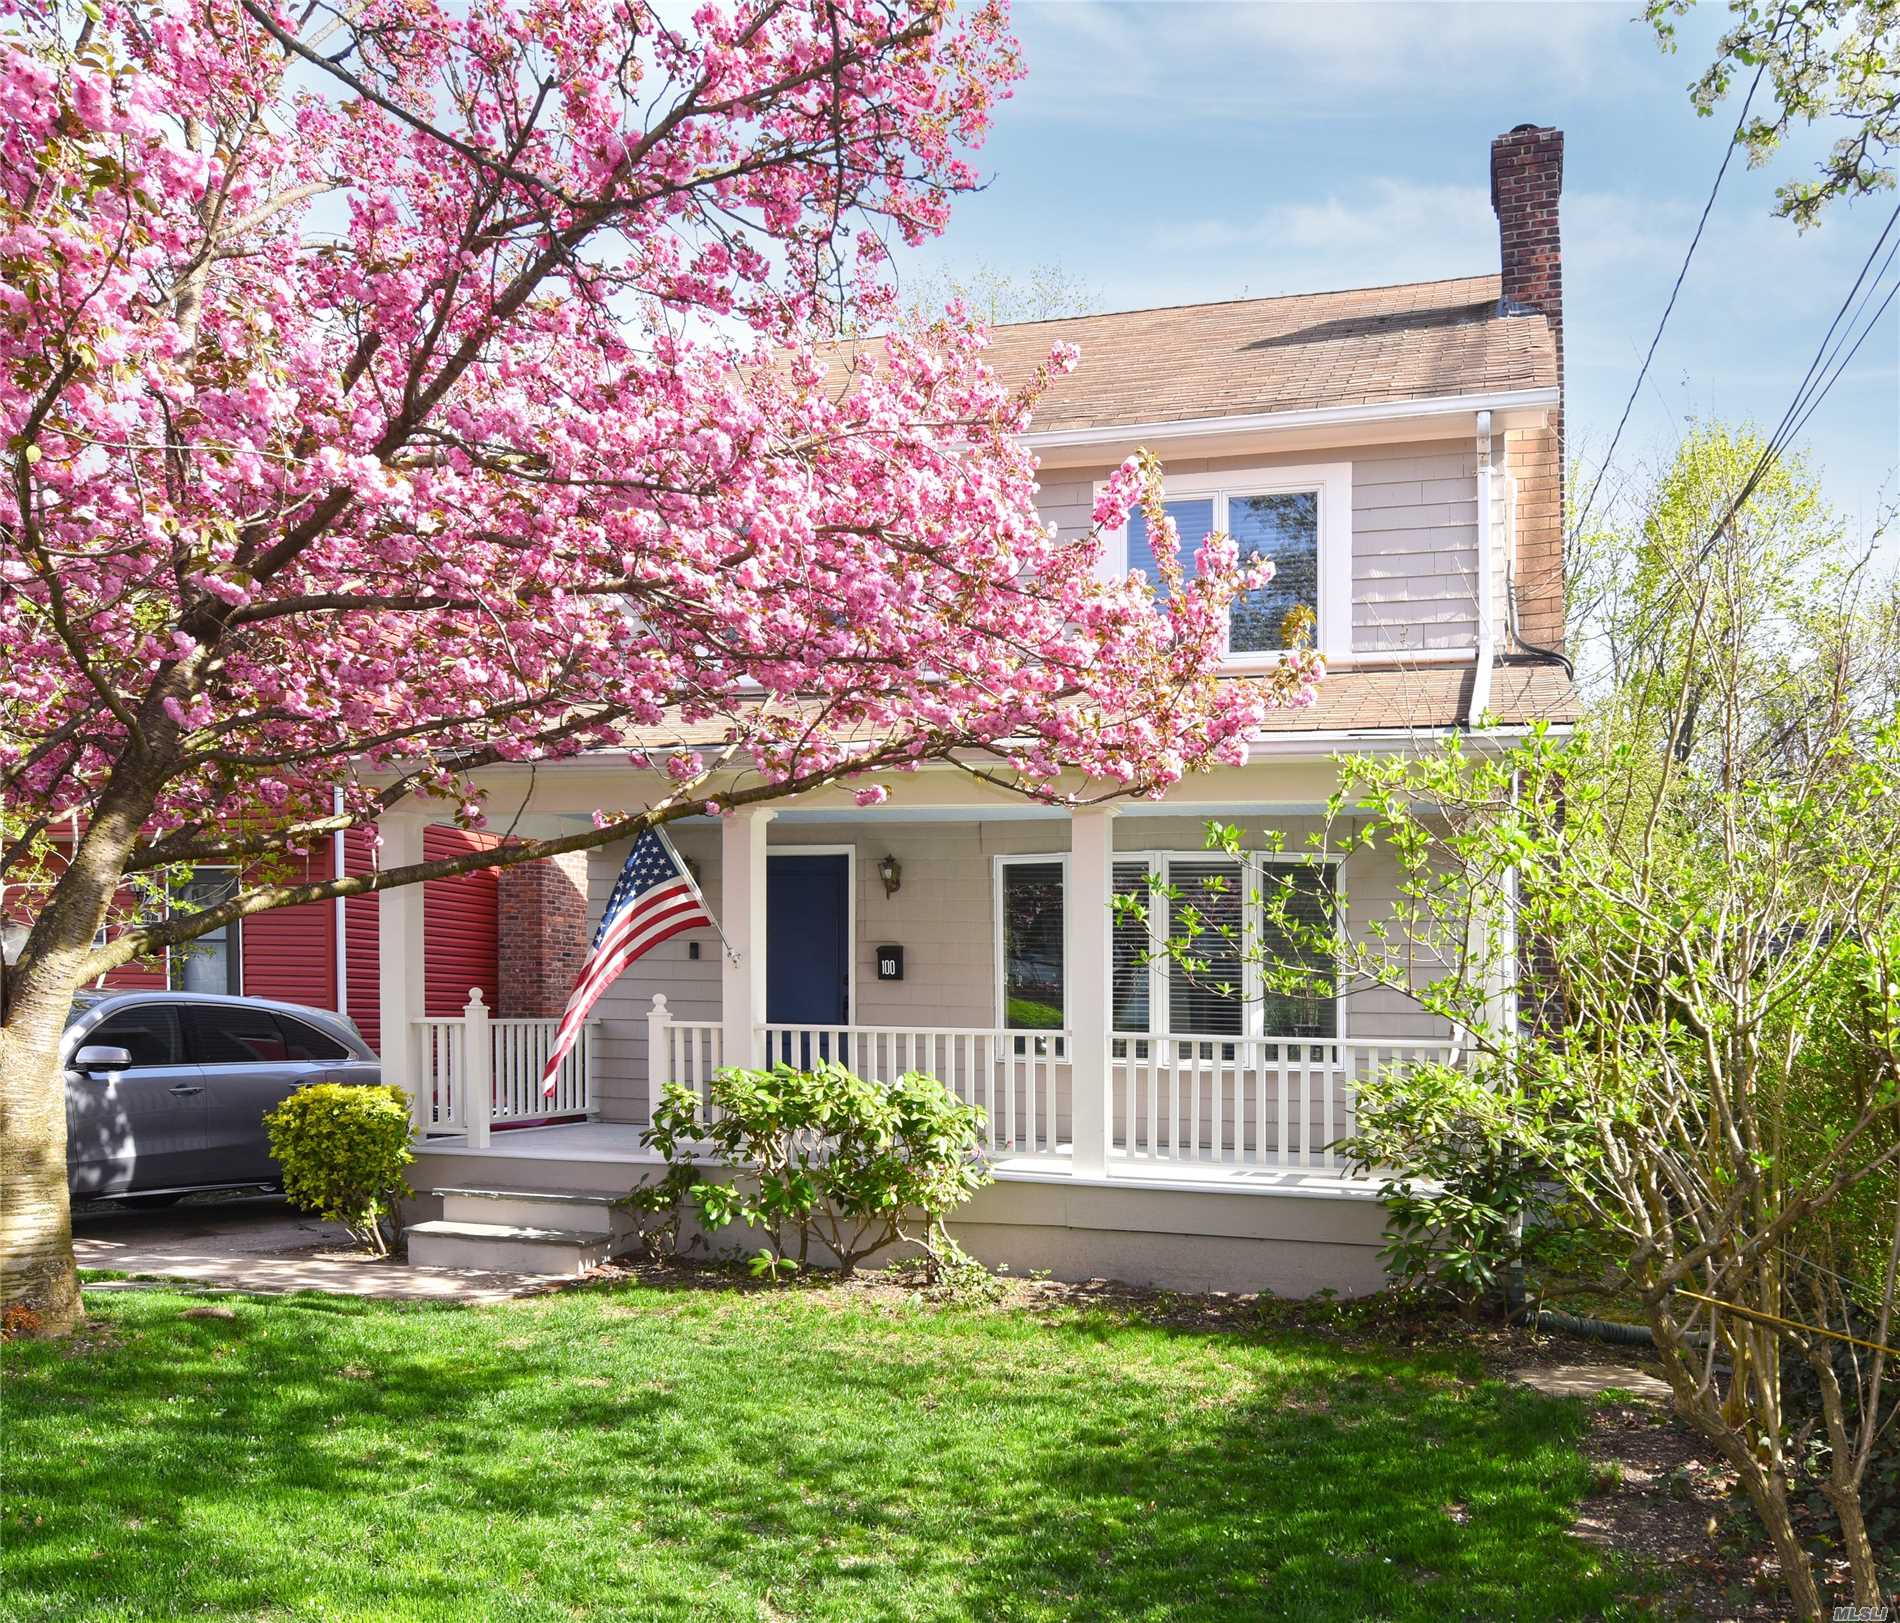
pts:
[1252, 866]
[235, 929]
[999, 959]
[1333, 483]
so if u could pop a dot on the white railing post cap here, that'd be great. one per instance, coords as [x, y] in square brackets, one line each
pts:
[474, 999]
[659, 1004]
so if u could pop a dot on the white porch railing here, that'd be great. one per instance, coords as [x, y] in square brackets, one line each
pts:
[1278, 1102]
[1246, 1101]
[463, 1061]
[1012, 1075]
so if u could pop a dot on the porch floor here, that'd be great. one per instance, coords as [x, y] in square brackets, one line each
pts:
[618, 1143]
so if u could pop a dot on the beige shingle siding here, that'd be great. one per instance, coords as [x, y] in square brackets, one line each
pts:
[1414, 548]
[942, 915]
[1536, 466]
[1415, 536]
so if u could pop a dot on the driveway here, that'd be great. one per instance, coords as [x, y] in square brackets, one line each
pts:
[261, 1243]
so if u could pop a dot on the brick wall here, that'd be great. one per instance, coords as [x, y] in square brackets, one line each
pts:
[543, 918]
[1527, 177]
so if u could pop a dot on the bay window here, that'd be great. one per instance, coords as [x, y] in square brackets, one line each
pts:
[1255, 969]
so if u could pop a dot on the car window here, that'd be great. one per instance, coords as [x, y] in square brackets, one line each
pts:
[221, 1035]
[149, 1033]
[306, 1042]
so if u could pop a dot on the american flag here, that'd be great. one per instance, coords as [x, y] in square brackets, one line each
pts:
[654, 898]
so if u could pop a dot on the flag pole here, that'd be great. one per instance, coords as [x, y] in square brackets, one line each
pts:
[686, 873]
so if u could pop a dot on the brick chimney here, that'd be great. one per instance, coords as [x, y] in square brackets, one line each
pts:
[1527, 178]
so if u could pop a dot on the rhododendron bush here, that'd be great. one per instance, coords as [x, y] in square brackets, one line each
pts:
[400, 389]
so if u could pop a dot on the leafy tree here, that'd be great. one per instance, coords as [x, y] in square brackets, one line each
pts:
[1669, 945]
[996, 297]
[1826, 61]
[392, 391]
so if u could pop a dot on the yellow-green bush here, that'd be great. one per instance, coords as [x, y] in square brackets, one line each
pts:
[343, 1150]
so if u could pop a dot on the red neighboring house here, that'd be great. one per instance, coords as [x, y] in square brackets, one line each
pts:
[326, 954]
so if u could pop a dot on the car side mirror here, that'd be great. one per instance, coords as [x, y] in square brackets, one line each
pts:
[96, 1057]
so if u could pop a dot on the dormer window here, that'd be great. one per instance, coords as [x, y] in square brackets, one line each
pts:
[1301, 518]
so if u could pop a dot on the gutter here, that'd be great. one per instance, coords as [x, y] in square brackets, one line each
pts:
[1317, 417]
[1487, 633]
[342, 915]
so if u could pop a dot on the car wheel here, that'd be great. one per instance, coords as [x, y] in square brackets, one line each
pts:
[152, 1203]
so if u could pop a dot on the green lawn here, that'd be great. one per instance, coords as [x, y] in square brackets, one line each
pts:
[641, 1451]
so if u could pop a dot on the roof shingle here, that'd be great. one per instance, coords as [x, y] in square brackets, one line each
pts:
[1362, 346]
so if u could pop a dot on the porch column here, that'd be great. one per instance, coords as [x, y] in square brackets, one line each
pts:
[1091, 885]
[742, 917]
[399, 965]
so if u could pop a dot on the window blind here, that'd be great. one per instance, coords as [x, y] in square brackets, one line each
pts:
[1308, 1006]
[1210, 892]
[1130, 946]
[1032, 945]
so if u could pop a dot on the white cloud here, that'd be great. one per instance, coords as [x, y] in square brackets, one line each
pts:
[1393, 230]
[1204, 60]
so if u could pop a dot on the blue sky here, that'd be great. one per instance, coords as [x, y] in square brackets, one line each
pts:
[1172, 152]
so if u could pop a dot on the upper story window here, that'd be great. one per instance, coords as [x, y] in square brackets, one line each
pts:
[1301, 518]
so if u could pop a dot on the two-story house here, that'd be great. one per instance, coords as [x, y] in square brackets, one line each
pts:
[1398, 451]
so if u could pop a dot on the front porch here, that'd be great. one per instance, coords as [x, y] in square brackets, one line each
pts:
[1183, 1226]
[1140, 1125]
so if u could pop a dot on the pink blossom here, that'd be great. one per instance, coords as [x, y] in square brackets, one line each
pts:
[601, 473]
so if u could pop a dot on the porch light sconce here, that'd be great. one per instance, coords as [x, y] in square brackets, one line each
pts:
[891, 874]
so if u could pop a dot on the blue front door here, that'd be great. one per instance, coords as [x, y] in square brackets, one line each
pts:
[807, 950]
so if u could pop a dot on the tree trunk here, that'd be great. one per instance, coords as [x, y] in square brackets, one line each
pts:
[1845, 1498]
[39, 1287]
[39, 1291]
[1766, 1490]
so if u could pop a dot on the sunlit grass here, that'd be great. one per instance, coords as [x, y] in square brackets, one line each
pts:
[647, 1452]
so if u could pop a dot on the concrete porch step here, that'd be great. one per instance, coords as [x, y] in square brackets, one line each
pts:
[507, 1248]
[583, 1211]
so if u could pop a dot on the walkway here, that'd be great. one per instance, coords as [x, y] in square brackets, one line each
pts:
[261, 1244]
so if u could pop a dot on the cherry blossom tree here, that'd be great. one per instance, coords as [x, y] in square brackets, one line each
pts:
[394, 389]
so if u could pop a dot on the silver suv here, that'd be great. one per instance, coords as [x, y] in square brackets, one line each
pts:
[166, 1091]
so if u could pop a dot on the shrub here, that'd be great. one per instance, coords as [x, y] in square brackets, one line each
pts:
[659, 1209]
[343, 1150]
[1467, 1205]
[825, 1154]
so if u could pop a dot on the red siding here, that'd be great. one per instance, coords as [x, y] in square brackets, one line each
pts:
[461, 942]
[459, 923]
[290, 953]
[137, 977]
[359, 944]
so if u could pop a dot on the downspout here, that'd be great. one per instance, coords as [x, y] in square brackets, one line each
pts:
[1487, 630]
[342, 914]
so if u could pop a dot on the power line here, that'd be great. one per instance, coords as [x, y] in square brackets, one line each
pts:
[1823, 372]
[1811, 393]
[1622, 422]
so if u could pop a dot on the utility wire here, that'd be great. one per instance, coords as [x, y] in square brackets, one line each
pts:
[1823, 372]
[1622, 422]
[1808, 397]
